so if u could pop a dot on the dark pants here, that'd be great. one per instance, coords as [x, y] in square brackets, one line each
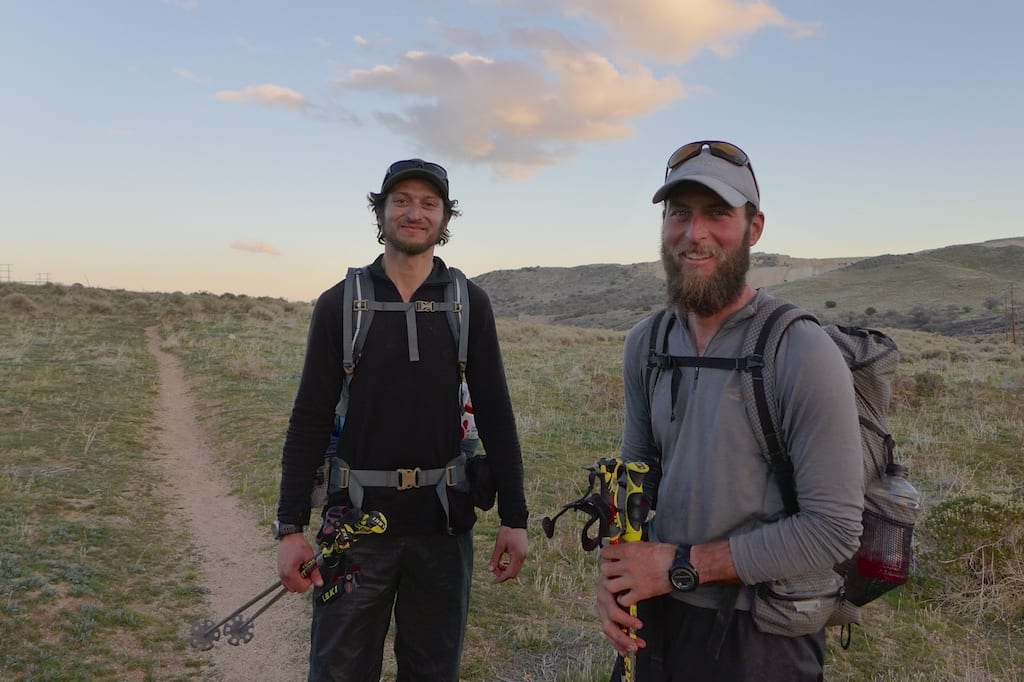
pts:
[678, 637]
[426, 581]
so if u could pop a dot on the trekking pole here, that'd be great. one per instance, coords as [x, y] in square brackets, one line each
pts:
[630, 511]
[341, 528]
[619, 507]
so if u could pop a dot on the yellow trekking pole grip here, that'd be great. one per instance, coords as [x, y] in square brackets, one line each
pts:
[632, 504]
[631, 510]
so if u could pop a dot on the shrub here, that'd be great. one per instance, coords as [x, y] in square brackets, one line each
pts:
[973, 545]
[929, 384]
[830, 304]
[265, 313]
[20, 302]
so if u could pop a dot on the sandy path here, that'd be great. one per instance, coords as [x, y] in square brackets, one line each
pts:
[237, 554]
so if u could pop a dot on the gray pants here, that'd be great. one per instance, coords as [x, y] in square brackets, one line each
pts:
[425, 581]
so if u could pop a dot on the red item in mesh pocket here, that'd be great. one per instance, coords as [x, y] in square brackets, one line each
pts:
[883, 561]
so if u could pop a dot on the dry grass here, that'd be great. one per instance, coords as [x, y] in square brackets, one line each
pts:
[75, 386]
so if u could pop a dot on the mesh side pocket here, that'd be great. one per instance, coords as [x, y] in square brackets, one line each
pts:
[883, 561]
[796, 606]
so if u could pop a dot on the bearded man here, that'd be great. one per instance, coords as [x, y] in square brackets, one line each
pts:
[720, 529]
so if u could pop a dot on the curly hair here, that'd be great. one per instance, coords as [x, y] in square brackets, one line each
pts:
[375, 203]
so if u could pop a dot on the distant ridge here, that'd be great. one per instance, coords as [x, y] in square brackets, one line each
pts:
[962, 285]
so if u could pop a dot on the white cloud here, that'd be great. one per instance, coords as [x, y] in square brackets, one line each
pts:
[255, 247]
[269, 95]
[321, 42]
[513, 115]
[673, 31]
[188, 75]
[527, 94]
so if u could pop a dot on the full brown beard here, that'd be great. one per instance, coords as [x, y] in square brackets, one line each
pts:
[706, 296]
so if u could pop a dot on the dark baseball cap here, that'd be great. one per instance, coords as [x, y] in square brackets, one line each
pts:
[416, 169]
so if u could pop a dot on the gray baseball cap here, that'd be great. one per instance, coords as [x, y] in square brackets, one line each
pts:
[734, 183]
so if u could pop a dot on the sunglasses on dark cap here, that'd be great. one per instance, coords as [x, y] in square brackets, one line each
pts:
[416, 169]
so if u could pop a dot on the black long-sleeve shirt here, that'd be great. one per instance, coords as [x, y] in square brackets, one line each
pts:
[402, 414]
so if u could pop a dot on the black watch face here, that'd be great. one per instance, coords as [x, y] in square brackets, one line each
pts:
[684, 578]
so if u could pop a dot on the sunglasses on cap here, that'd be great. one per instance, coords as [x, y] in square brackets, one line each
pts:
[723, 150]
[417, 164]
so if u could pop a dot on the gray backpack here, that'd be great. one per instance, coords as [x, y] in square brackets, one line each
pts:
[872, 358]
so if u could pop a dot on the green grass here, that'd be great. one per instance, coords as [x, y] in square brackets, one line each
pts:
[969, 274]
[94, 581]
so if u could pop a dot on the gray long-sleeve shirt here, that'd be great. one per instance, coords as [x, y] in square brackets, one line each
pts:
[714, 483]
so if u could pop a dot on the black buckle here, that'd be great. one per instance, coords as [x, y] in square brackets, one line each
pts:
[660, 361]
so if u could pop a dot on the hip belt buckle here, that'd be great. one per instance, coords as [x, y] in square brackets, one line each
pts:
[407, 478]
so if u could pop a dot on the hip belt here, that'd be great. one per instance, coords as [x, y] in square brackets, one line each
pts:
[451, 475]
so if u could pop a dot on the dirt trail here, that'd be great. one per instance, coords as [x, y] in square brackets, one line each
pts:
[237, 554]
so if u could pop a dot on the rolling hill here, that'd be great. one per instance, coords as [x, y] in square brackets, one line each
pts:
[957, 289]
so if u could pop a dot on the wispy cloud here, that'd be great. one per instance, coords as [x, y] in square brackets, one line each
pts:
[242, 42]
[255, 247]
[268, 94]
[188, 75]
[321, 42]
[673, 31]
[526, 94]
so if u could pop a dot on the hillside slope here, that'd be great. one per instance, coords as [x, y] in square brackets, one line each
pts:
[956, 289]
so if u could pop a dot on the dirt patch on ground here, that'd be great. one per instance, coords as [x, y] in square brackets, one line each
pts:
[237, 555]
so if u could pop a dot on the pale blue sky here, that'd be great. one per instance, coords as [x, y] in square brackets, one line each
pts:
[205, 145]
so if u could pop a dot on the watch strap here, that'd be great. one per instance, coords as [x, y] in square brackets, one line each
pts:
[280, 529]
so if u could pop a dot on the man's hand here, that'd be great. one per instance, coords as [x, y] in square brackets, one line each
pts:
[630, 572]
[634, 571]
[293, 550]
[510, 548]
[615, 621]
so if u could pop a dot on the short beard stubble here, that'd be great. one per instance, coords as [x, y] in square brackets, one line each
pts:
[706, 296]
[408, 249]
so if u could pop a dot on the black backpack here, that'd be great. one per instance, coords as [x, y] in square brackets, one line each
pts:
[360, 304]
[872, 358]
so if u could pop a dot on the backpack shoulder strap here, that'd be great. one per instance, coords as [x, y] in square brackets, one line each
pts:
[457, 293]
[656, 339]
[760, 346]
[357, 315]
[355, 320]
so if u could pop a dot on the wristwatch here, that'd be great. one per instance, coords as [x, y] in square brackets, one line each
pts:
[682, 575]
[279, 529]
